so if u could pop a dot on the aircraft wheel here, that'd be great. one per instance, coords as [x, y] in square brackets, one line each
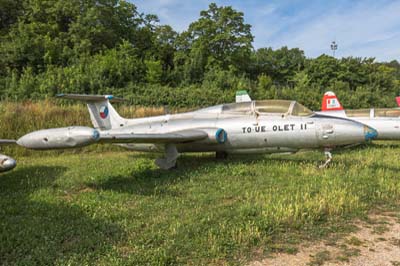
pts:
[221, 155]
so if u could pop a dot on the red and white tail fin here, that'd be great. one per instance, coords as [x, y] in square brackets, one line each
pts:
[398, 101]
[330, 102]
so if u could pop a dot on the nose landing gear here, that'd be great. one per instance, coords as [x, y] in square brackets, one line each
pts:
[328, 156]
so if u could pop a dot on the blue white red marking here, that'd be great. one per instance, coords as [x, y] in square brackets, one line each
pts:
[104, 112]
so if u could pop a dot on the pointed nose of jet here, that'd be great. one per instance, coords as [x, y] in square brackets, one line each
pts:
[22, 141]
[370, 133]
[7, 164]
[27, 141]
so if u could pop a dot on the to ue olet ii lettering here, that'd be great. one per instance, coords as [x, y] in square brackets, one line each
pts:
[285, 127]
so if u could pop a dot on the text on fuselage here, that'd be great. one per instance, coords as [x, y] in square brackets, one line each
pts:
[285, 127]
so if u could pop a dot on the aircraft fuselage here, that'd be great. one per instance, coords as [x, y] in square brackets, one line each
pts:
[250, 133]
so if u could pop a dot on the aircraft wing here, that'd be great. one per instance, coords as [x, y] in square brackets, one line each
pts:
[7, 141]
[173, 137]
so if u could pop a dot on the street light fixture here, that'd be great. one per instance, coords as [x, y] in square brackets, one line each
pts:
[334, 47]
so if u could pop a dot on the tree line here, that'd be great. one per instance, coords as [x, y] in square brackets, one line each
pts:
[109, 47]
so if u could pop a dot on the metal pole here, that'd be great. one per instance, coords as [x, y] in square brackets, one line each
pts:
[334, 47]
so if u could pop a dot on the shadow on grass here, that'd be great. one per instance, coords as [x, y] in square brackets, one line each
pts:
[149, 180]
[390, 144]
[39, 228]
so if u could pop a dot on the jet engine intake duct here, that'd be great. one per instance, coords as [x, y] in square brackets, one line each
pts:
[214, 136]
[221, 136]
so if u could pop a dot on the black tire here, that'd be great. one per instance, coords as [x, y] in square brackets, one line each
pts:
[221, 155]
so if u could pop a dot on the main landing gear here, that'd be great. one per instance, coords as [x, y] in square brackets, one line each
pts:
[328, 156]
[169, 161]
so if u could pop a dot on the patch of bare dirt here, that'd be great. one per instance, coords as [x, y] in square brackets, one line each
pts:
[376, 243]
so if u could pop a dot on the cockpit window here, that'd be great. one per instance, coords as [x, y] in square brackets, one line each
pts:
[273, 106]
[300, 110]
[281, 107]
[244, 107]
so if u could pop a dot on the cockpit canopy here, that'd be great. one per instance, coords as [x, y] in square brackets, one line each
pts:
[277, 107]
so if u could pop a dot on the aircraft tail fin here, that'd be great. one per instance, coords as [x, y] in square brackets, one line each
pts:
[398, 101]
[242, 96]
[102, 113]
[330, 102]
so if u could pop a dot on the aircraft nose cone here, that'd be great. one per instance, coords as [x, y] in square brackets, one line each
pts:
[370, 133]
[25, 141]
[21, 142]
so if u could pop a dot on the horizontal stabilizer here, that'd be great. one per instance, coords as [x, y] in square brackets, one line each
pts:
[90, 98]
[7, 141]
[173, 137]
[102, 113]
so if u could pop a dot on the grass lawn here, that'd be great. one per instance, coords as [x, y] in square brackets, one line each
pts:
[117, 208]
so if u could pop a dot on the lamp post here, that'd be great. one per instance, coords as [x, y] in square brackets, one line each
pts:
[334, 47]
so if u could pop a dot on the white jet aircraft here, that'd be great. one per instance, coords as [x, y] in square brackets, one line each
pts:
[385, 120]
[272, 126]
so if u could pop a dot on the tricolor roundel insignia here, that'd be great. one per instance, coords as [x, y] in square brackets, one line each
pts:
[104, 112]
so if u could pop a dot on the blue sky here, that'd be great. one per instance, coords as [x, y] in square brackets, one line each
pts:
[361, 28]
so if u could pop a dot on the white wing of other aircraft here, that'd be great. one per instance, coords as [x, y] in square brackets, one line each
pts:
[6, 163]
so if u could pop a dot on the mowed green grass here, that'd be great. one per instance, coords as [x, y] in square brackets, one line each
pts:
[117, 208]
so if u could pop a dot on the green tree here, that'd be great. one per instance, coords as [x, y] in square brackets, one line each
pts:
[222, 36]
[57, 32]
[323, 70]
[281, 64]
[9, 12]
[154, 71]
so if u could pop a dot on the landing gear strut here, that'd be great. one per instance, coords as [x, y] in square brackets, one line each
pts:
[221, 155]
[169, 161]
[328, 156]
